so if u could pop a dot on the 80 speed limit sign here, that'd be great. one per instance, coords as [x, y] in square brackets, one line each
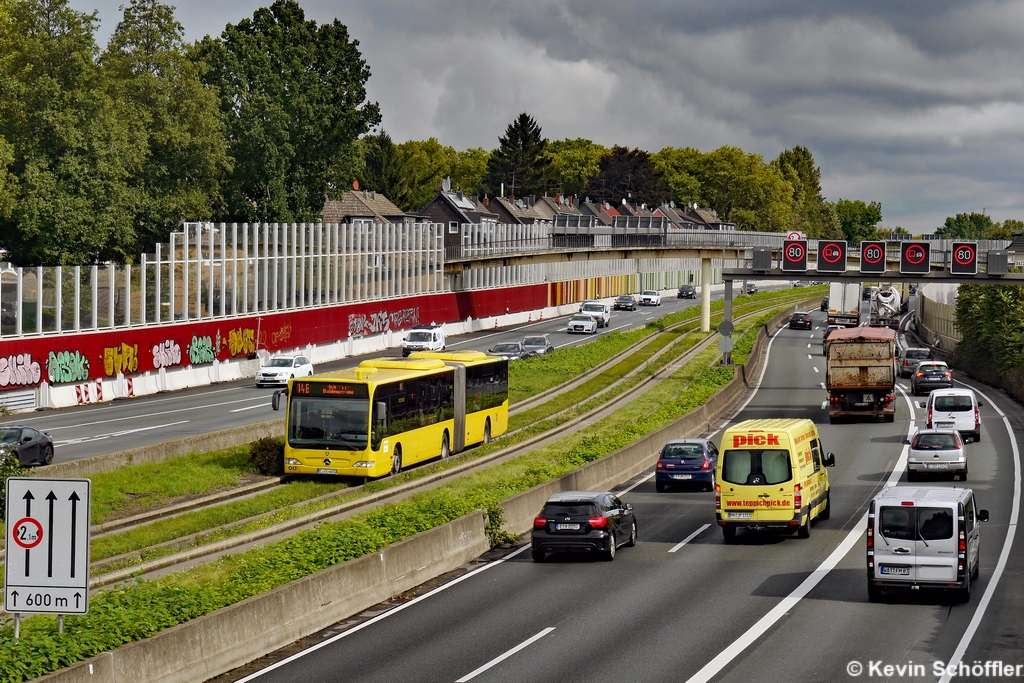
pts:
[963, 258]
[794, 256]
[872, 256]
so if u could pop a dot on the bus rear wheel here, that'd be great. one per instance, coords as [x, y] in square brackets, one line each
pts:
[487, 431]
[396, 461]
[445, 449]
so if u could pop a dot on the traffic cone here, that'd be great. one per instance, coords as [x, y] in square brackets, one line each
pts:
[542, 315]
[495, 322]
[529, 317]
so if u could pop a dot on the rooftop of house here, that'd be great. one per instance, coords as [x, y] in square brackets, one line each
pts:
[360, 204]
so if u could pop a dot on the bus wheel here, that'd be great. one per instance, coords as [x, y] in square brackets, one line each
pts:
[396, 461]
[445, 450]
[487, 431]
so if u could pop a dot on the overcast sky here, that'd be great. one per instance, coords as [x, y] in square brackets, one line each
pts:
[918, 105]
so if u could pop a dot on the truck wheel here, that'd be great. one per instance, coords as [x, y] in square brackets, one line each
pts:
[826, 511]
[890, 418]
[804, 530]
[729, 534]
[963, 594]
[874, 593]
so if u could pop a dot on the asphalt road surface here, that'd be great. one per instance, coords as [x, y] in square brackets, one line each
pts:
[683, 606]
[96, 429]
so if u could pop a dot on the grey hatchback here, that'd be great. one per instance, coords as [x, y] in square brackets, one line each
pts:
[538, 345]
[931, 375]
[583, 522]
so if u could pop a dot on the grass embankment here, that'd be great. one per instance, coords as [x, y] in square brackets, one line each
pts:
[143, 609]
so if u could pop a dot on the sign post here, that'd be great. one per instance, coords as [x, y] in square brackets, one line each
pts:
[46, 569]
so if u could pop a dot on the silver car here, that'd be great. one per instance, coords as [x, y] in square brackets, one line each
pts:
[936, 451]
[538, 345]
[280, 369]
[582, 324]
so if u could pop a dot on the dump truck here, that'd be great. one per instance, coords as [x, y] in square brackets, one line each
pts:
[885, 308]
[860, 373]
[844, 304]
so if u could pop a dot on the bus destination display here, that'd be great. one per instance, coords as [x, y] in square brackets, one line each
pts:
[330, 389]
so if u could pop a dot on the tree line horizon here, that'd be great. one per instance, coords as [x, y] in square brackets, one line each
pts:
[104, 152]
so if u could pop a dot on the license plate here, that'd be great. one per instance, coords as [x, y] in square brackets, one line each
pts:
[682, 476]
[323, 470]
[567, 527]
[741, 515]
[935, 466]
[890, 570]
[944, 425]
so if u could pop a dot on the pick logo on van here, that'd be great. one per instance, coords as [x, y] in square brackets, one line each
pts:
[754, 440]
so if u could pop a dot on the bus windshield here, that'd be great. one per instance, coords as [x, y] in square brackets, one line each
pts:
[329, 423]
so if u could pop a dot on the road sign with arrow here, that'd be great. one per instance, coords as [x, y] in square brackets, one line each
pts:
[47, 560]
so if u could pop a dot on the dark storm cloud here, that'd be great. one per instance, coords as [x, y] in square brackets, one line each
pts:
[919, 105]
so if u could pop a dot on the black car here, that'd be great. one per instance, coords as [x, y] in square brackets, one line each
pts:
[32, 446]
[510, 350]
[824, 303]
[686, 462]
[801, 320]
[594, 522]
[930, 375]
[751, 288]
[626, 302]
[687, 292]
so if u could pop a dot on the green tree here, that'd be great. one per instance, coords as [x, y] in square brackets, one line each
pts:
[573, 163]
[293, 100]
[70, 151]
[811, 213]
[857, 219]
[680, 168]
[1010, 226]
[520, 163]
[384, 171]
[159, 88]
[468, 168]
[972, 226]
[745, 190]
[628, 174]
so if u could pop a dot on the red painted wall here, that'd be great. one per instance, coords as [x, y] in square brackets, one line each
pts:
[78, 357]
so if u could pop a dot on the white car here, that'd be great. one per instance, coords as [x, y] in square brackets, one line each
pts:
[582, 323]
[649, 297]
[429, 338]
[280, 369]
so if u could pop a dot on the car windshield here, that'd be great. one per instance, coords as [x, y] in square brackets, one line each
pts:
[683, 450]
[934, 442]
[625, 298]
[535, 341]
[917, 354]
[505, 348]
[597, 308]
[954, 404]
[569, 510]
[931, 369]
[582, 319]
[9, 434]
[279, 363]
[756, 467]
[686, 288]
[914, 523]
[650, 293]
[418, 337]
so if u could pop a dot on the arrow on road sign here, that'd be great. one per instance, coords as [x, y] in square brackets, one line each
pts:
[14, 600]
[74, 526]
[78, 598]
[49, 553]
[28, 513]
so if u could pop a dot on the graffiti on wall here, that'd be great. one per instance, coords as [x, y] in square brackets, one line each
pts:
[365, 324]
[120, 359]
[166, 354]
[19, 370]
[281, 336]
[67, 366]
[201, 349]
[241, 341]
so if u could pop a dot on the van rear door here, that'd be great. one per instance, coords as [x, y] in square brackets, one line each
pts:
[936, 550]
[953, 412]
[757, 484]
[895, 547]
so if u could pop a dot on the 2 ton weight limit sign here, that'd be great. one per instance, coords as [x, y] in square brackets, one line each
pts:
[46, 568]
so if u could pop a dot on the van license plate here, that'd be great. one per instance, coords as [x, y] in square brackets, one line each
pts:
[944, 425]
[326, 471]
[741, 515]
[891, 570]
[682, 476]
[567, 527]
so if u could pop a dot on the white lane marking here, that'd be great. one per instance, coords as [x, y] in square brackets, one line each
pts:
[822, 385]
[100, 437]
[712, 668]
[824, 405]
[817, 327]
[380, 617]
[689, 538]
[500, 658]
[808, 346]
[1004, 555]
[647, 478]
[162, 412]
[809, 357]
[258, 405]
[816, 368]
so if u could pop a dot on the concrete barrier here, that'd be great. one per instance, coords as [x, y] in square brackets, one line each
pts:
[158, 452]
[228, 638]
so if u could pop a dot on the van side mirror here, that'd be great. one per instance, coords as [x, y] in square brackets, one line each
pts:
[982, 515]
[980, 404]
[923, 404]
[968, 439]
[275, 400]
[906, 442]
[830, 460]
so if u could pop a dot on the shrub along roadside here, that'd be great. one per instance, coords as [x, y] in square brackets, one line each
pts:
[123, 615]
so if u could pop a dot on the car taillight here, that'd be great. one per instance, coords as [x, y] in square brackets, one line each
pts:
[919, 374]
[798, 499]
[977, 418]
[871, 537]
[718, 496]
[540, 522]
[948, 374]
[706, 465]
[929, 417]
[906, 363]
[598, 522]
[963, 541]
[661, 465]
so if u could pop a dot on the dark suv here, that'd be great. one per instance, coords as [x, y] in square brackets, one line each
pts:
[687, 292]
[802, 320]
[626, 302]
[583, 522]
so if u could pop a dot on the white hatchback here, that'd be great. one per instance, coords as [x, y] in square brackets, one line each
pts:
[649, 297]
[280, 369]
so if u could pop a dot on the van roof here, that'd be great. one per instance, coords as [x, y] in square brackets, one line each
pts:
[953, 392]
[923, 494]
[773, 424]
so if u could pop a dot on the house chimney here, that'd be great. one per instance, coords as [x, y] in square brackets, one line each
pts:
[558, 199]
[487, 200]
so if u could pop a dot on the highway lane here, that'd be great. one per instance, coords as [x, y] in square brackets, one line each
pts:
[653, 615]
[83, 431]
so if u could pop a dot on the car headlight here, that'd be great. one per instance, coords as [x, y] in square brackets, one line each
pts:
[292, 461]
[364, 463]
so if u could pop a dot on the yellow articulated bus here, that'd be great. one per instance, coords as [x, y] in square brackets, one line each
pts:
[387, 414]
